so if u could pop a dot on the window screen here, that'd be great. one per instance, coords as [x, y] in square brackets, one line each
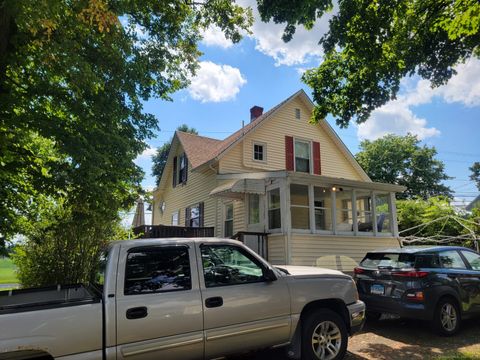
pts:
[157, 269]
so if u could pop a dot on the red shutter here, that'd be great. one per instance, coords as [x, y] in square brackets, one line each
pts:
[174, 172]
[317, 162]
[289, 153]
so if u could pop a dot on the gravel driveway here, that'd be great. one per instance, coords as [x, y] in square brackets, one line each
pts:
[399, 339]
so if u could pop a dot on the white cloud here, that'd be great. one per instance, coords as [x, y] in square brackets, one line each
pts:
[147, 153]
[397, 116]
[216, 83]
[303, 48]
[214, 36]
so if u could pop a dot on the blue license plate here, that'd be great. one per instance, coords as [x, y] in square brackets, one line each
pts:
[377, 289]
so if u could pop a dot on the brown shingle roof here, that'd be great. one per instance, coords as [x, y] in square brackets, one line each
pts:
[199, 149]
[202, 149]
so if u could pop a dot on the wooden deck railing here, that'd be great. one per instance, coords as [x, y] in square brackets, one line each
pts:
[165, 231]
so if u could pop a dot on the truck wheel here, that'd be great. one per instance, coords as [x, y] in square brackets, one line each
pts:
[324, 336]
[446, 319]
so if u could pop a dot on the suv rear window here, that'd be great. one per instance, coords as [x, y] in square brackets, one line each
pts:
[393, 260]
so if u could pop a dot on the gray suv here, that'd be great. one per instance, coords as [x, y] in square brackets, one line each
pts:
[439, 284]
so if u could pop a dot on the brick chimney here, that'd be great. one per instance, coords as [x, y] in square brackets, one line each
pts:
[255, 112]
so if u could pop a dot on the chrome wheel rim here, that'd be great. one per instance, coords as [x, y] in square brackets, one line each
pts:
[448, 317]
[326, 340]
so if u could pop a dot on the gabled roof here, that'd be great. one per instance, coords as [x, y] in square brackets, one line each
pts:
[203, 150]
[199, 149]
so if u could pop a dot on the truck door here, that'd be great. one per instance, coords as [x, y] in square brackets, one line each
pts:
[159, 309]
[242, 310]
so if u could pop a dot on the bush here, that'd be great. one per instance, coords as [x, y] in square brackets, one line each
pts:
[63, 246]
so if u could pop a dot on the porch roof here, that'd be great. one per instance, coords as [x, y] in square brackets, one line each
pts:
[319, 180]
[238, 187]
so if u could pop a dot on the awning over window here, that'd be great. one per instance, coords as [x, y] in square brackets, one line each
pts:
[237, 188]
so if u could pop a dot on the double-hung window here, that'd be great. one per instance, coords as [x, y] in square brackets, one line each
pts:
[302, 156]
[259, 151]
[228, 226]
[274, 214]
[194, 215]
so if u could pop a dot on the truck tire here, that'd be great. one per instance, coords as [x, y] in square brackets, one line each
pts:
[324, 336]
[446, 319]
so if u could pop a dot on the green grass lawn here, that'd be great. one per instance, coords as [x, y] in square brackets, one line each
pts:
[7, 272]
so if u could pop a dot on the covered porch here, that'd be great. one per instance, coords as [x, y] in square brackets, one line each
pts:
[300, 211]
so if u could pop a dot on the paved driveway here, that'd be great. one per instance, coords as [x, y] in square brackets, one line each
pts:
[398, 339]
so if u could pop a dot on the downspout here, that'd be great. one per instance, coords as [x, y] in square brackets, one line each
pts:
[216, 201]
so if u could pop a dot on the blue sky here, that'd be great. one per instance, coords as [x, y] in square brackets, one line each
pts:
[262, 70]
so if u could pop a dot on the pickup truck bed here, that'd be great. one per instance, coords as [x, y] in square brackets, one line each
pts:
[48, 297]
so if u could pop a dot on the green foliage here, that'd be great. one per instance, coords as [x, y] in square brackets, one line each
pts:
[63, 245]
[401, 160]
[73, 78]
[415, 212]
[372, 44]
[475, 176]
[7, 272]
[161, 156]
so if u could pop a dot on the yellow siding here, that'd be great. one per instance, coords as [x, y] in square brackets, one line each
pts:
[197, 189]
[335, 252]
[276, 249]
[272, 132]
[232, 162]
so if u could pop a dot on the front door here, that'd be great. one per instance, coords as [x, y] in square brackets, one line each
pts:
[159, 307]
[242, 310]
[255, 222]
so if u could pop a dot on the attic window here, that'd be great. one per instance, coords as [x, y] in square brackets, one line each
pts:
[259, 151]
[297, 114]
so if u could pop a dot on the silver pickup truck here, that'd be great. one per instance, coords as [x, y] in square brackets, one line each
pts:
[179, 299]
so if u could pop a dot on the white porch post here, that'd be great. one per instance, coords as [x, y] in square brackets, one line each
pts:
[374, 214]
[354, 212]
[334, 212]
[286, 216]
[393, 214]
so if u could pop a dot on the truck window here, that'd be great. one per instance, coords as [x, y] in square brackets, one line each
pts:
[229, 265]
[157, 269]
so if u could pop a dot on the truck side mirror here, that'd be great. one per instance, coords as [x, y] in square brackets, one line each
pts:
[269, 275]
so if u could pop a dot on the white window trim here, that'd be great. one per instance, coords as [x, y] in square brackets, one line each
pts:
[297, 110]
[267, 207]
[178, 218]
[264, 145]
[230, 203]
[310, 163]
[299, 230]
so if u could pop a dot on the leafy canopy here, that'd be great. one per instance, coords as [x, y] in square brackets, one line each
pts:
[401, 160]
[372, 44]
[160, 158]
[475, 176]
[73, 78]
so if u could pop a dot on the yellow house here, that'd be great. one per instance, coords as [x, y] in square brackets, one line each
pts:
[293, 184]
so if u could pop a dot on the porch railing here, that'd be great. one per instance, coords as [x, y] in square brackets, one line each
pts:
[166, 231]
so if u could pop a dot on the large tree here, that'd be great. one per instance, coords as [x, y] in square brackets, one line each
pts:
[475, 176]
[372, 44]
[160, 158]
[402, 160]
[73, 77]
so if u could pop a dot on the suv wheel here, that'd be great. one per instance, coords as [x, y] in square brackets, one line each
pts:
[324, 336]
[446, 320]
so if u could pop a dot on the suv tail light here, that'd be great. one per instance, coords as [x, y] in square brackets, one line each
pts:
[416, 296]
[358, 270]
[411, 273]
